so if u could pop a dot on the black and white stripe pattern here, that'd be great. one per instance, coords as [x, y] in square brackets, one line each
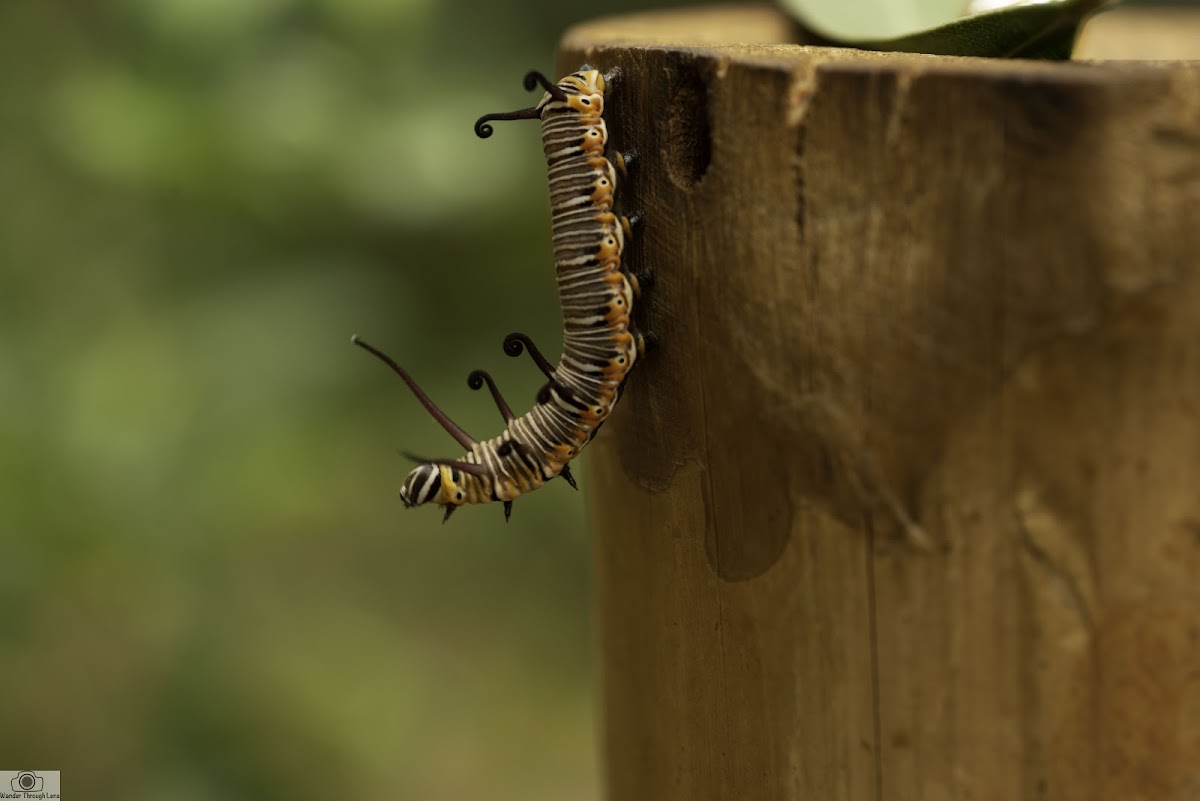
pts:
[596, 298]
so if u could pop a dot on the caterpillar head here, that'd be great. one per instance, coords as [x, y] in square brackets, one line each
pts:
[431, 483]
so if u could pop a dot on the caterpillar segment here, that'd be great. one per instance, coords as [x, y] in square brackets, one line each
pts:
[596, 296]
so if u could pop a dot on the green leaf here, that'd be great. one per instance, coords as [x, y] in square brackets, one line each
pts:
[847, 20]
[1044, 30]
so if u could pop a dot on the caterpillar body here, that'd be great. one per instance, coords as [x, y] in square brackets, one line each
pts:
[596, 295]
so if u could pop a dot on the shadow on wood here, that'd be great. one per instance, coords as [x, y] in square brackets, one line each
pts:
[893, 290]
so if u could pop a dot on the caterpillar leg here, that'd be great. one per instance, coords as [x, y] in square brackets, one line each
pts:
[450, 509]
[625, 161]
[507, 510]
[632, 224]
[643, 341]
[566, 473]
[640, 342]
[638, 281]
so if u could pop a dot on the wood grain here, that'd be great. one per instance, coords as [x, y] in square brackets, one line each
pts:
[906, 503]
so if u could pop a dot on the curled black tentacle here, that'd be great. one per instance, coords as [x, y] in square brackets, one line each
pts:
[516, 343]
[483, 130]
[476, 381]
[533, 78]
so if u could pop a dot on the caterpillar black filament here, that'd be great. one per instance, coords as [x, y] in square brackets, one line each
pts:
[596, 295]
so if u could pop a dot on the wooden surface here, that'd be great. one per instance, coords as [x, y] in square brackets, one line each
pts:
[906, 504]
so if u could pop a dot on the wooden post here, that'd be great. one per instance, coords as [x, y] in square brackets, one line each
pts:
[906, 503]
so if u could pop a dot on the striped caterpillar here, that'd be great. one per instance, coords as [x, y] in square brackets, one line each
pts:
[596, 295]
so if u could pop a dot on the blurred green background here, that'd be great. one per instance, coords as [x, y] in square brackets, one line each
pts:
[209, 588]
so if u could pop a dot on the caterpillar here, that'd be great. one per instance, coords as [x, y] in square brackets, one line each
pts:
[596, 295]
